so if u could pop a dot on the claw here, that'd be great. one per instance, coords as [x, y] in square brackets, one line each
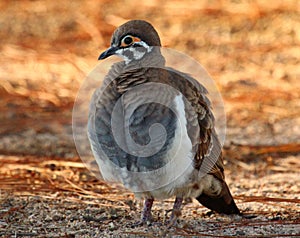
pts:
[138, 224]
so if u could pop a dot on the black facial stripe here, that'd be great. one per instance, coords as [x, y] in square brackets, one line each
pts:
[136, 45]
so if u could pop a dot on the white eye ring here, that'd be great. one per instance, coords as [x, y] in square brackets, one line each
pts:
[129, 40]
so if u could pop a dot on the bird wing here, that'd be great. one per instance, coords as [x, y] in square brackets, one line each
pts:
[208, 150]
[208, 158]
[200, 120]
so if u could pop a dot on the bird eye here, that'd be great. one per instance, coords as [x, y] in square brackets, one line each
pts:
[128, 40]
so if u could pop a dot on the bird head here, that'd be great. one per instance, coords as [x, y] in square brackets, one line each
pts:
[132, 41]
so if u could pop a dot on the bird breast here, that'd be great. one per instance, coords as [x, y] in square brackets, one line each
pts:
[141, 142]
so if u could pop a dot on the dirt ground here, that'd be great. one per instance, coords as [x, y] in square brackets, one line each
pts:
[250, 48]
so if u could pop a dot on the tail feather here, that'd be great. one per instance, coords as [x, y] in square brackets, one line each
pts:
[223, 203]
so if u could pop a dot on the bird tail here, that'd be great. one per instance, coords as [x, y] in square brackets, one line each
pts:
[223, 203]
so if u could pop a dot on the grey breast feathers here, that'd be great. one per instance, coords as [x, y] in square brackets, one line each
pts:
[124, 100]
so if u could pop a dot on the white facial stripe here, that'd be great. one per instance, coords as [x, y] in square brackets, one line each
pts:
[136, 54]
[144, 44]
[120, 53]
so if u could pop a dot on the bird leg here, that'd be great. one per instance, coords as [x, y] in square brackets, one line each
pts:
[146, 213]
[176, 212]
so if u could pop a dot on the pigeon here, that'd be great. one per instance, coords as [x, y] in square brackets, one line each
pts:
[151, 127]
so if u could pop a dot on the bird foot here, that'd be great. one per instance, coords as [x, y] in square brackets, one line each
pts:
[146, 223]
[176, 212]
[146, 218]
[141, 223]
[172, 221]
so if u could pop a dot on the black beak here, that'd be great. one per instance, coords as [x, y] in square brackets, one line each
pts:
[110, 51]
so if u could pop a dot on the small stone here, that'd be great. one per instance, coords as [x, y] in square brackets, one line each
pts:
[240, 233]
[48, 218]
[111, 226]
[57, 217]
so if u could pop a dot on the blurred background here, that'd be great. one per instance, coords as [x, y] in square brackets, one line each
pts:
[250, 48]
